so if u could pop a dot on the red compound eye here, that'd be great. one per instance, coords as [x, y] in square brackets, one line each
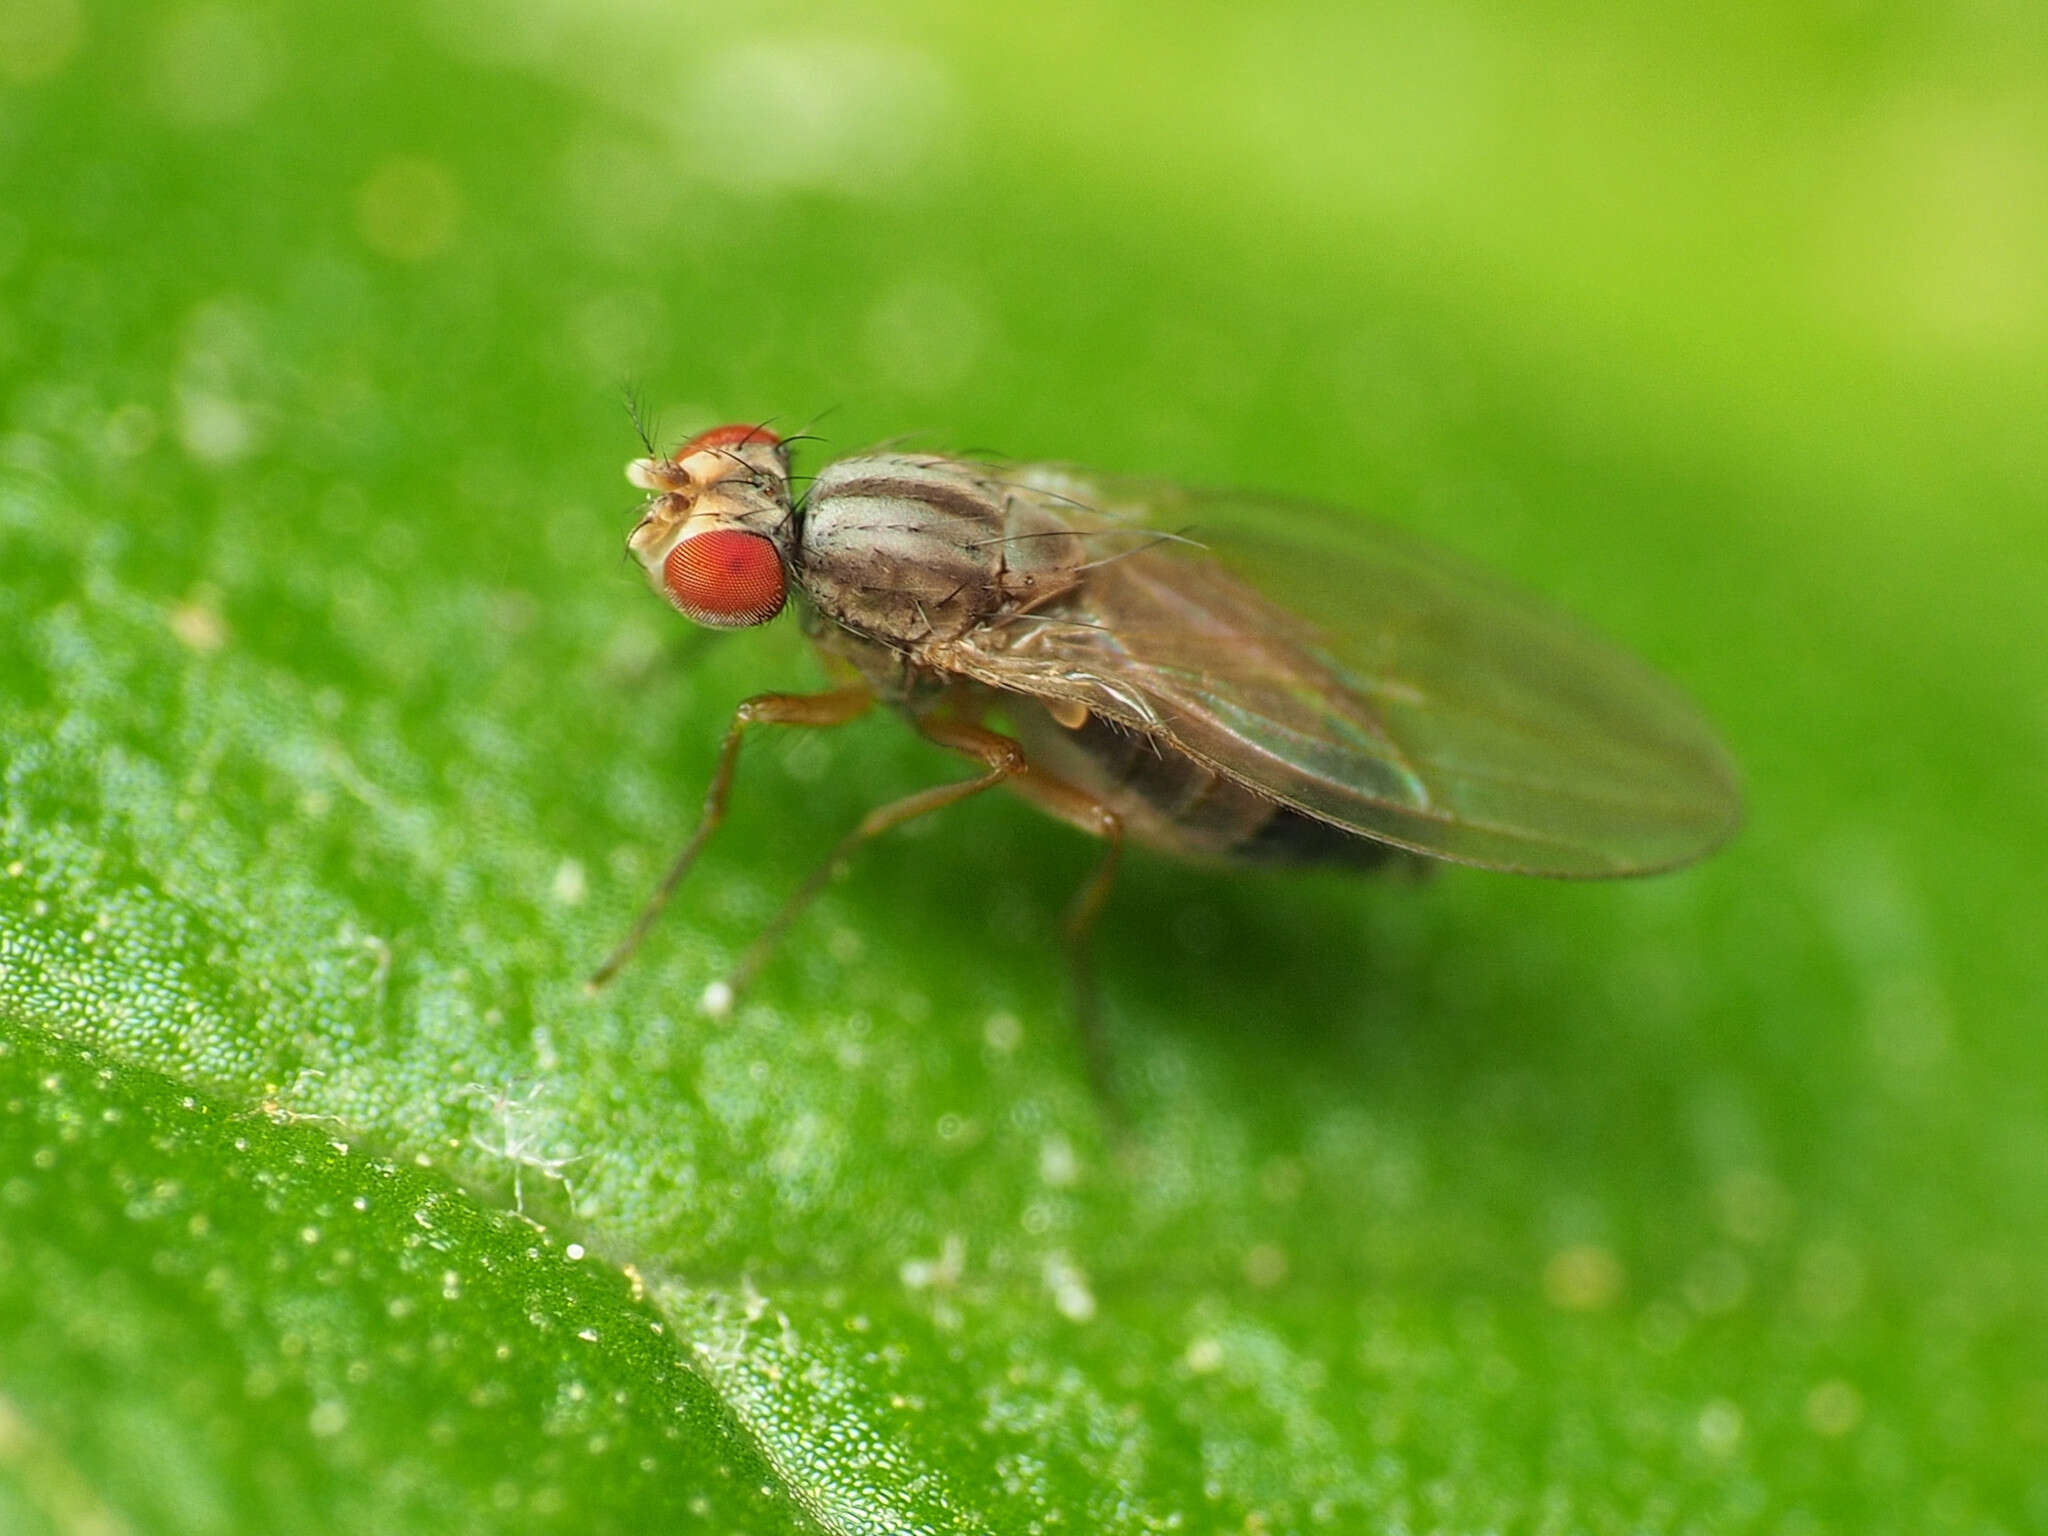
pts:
[725, 577]
[738, 435]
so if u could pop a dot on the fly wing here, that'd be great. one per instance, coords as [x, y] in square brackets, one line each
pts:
[1362, 677]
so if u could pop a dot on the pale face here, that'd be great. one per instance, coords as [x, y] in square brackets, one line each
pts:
[710, 537]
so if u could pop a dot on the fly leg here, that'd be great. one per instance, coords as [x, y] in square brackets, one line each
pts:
[1078, 808]
[1002, 761]
[1080, 934]
[820, 709]
[1000, 757]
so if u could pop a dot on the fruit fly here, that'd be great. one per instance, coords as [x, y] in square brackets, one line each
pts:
[1226, 678]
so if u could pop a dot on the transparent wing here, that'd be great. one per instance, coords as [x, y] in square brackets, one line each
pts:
[1365, 678]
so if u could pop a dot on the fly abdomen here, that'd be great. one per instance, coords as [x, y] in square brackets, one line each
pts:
[1179, 805]
[1289, 837]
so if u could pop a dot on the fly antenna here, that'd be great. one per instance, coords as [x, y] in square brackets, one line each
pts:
[636, 409]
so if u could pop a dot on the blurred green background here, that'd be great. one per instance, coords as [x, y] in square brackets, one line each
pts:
[337, 743]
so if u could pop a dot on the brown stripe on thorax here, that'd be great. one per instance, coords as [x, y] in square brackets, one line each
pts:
[952, 495]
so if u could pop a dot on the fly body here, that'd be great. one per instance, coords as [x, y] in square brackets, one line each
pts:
[922, 554]
[1222, 677]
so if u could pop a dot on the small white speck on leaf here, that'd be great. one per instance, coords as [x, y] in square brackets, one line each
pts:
[1003, 1032]
[199, 627]
[569, 886]
[1069, 1287]
[1720, 1427]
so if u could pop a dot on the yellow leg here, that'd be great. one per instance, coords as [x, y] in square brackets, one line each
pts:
[818, 709]
[1001, 759]
[1081, 809]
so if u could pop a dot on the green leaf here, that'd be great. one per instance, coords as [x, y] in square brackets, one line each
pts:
[219, 1321]
[337, 745]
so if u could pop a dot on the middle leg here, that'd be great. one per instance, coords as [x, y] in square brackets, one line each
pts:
[1003, 762]
[1001, 759]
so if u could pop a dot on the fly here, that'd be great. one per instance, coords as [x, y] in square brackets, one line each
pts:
[1227, 678]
